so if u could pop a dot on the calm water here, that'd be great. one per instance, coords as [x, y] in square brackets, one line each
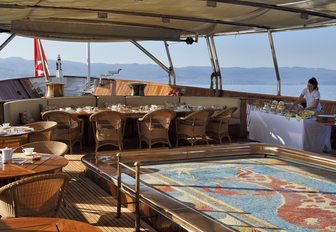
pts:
[328, 92]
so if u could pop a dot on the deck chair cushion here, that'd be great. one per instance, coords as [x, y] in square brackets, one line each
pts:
[26, 117]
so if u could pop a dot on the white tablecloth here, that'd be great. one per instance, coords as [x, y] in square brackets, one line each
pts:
[306, 134]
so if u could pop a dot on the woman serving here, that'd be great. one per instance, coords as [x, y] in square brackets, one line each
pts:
[310, 96]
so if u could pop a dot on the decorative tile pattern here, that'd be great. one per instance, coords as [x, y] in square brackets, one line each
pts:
[256, 194]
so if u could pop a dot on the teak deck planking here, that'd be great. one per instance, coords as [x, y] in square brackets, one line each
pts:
[87, 202]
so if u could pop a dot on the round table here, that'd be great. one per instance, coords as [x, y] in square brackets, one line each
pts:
[21, 166]
[15, 133]
[45, 225]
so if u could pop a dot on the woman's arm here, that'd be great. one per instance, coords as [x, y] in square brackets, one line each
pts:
[299, 100]
[314, 105]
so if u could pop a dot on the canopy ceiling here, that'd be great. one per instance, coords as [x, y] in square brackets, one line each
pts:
[119, 20]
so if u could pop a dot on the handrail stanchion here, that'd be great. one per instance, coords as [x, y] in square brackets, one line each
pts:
[137, 196]
[119, 185]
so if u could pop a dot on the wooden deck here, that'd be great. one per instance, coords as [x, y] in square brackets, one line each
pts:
[85, 201]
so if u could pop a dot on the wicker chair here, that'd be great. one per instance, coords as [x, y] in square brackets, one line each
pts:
[154, 127]
[69, 128]
[218, 124]
[42, 131]
[108, 127]
[48, 147]
[192, 127]
[33, 196]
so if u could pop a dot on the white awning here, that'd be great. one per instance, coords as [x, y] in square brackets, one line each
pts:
[115, 20]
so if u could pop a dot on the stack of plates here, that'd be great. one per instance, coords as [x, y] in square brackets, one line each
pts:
[326, 118]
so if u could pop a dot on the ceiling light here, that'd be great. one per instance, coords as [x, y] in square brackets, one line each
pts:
[166, 20]
[102, 15]
[189, 40]
[304, 16]
[211, 3]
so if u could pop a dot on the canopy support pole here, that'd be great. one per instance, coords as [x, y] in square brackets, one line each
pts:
[144, 50]
[88, 78]
[214, 68]
[275, 62]
[171, 73]
[46, 76]
[217, 62]
[4, 44]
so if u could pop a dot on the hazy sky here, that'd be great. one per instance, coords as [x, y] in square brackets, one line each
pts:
[305, 48]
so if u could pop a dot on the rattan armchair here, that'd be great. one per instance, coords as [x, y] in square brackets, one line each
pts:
[153, 128]
[35, 196]
[69, 127]
[108, 127]
[192, 127]
[218, 124]
[48, 147]
[42, 131]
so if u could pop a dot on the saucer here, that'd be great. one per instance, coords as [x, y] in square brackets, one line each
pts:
[28, 155]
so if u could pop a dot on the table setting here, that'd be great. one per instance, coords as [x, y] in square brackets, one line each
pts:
[7, 130]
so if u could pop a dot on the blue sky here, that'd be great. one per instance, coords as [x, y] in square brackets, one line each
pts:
[313, 48]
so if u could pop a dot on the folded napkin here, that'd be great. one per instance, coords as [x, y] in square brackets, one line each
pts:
[26, 128]
[22, 156]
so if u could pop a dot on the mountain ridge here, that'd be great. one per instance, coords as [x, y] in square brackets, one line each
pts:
[16, 67]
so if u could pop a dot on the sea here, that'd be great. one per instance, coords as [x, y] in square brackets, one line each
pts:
[328, 92]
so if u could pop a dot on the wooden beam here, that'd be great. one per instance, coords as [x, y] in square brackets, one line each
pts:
[280, 7]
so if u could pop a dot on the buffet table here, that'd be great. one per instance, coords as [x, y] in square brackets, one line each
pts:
[306, 134]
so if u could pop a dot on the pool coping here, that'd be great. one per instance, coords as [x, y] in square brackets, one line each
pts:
[183, 215]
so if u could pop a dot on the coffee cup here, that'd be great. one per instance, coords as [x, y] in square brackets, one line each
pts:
[6, 154]
[28, 150]
[6, 124]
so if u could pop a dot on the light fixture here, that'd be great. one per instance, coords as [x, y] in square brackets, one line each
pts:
[189, 40]
[102, 15]
[166, 20]
[211, 3]
[304, 16]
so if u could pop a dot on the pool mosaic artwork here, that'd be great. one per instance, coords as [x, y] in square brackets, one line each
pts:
[255, 194]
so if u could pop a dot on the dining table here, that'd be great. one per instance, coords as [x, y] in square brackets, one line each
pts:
[23, 165]
[130, 114]
[14, 134]
[45, 224]
[306, 134]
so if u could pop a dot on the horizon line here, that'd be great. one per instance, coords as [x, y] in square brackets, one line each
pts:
[209, 66]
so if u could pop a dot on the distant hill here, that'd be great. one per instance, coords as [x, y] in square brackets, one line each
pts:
[193, 75]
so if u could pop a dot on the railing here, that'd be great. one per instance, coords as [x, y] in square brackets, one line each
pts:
[89, 87]
[136, 190]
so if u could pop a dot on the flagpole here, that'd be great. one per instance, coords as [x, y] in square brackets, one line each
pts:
[88, 63]
[46, 77]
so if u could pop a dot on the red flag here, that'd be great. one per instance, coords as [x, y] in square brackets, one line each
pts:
[40, 61]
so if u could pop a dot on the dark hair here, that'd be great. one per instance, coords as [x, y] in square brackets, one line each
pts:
[314, 82]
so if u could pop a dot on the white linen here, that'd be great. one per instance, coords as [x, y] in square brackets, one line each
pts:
[305, 134]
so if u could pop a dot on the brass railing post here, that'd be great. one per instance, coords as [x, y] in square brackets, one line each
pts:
[119, 185]
[137, 196]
